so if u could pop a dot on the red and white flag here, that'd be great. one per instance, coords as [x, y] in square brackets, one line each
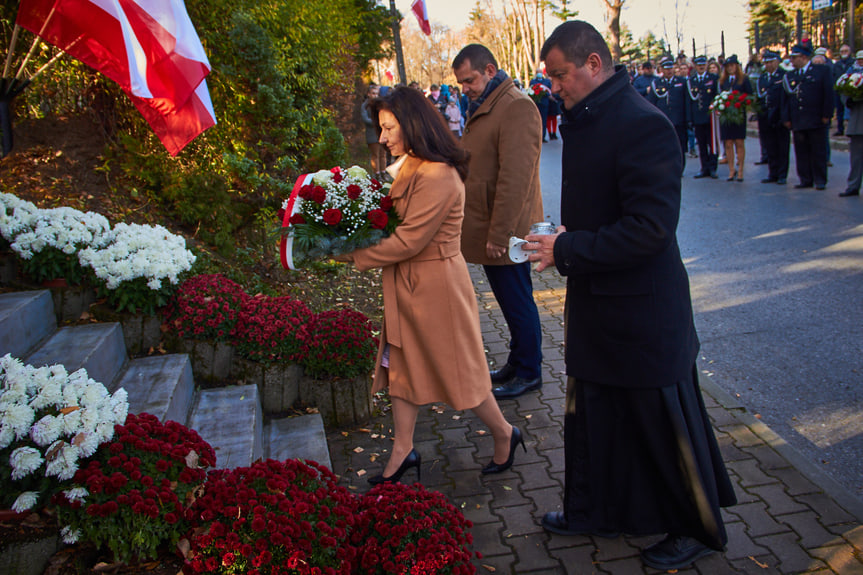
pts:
[149, 47]
[419, 9]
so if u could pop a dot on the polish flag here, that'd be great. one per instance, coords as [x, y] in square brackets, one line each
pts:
[419, 10]
[149, 47]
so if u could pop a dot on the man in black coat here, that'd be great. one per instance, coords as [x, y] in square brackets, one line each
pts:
[840, 66]
[807, 112]
[775, 137]
[640, 453]
[668, 93]
[702, 87]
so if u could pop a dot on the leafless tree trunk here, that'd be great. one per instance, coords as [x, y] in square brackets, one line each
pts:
[612, 14]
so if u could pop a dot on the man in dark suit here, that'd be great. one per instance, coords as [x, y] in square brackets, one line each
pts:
[702, 87]
[668, 93]
[809, 107]
[631, 344]
[775, 137]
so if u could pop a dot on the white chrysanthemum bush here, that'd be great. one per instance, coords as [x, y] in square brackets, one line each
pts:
[50, 421]
[136, 267]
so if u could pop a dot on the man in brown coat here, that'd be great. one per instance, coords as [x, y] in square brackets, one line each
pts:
[504, 137]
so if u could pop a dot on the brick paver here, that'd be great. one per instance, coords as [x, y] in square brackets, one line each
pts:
[785, 522]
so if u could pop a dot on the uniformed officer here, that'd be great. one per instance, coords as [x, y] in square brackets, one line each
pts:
[668, 93]
[701, 88]
[809, 107]
[775, 137]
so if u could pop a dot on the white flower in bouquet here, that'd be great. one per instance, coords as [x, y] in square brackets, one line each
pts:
[49, 421]
[357, 172]
[322, 177]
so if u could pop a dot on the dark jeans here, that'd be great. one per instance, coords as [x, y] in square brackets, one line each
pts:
[513, 290]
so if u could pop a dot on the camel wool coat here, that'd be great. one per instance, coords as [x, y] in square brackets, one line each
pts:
[431, 318]
[503, 194]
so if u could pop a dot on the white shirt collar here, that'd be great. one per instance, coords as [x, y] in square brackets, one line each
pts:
[393, 170]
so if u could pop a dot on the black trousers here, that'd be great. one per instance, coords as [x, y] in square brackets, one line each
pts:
[776, 145]
[683, 138]
[810, 147]
[763, 126]
[708, 160]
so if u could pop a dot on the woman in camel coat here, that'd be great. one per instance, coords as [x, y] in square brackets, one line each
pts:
[431, 347]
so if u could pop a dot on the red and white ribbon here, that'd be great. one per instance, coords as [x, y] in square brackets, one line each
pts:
[286, 246]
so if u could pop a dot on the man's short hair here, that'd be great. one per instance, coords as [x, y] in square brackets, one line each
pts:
[647, 65]
[577, 40]
[478, 55]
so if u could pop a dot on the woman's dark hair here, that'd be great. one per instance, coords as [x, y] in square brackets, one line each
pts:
[424, 130]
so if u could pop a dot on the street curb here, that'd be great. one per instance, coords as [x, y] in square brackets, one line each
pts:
[838, 492]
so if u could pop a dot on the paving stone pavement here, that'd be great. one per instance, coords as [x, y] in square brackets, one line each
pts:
[790, 518]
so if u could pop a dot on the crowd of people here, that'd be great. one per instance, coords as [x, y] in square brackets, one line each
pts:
[794, 102]
[640, 452]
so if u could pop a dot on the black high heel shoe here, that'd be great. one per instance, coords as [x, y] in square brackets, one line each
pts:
[514, 440]
[414, 459]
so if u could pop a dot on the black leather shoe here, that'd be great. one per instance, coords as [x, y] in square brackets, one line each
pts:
[760, 162]
[781, 181]
[503, 374]
[556, 522]
[674, 552]
[516, 386]
[820, 186]
[714, 176]
[701, 175]
[849, 193]
[414, 459]
[802, 186]
[514, 440]
[769, 180]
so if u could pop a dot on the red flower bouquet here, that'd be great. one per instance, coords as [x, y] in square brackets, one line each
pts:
[133, 496]
[334, 212]
[273, 517]
[338, 343]
[733, 106]
[409, 530]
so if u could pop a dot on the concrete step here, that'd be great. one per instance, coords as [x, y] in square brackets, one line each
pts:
[97, 347]
[231, 420]
[26, 319]
[161, 385]
[301, 437]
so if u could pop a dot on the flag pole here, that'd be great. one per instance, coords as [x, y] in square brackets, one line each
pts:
[12, 44]
[50, 62]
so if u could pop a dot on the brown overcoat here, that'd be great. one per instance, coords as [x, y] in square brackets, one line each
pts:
[431, 319]
[502, 192]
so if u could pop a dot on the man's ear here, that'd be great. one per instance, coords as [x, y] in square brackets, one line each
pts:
[594, 64]
[490, 70]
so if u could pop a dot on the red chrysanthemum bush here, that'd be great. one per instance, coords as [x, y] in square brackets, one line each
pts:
[273, 517]
[407, 530]
[268, 328]
[205, 306]
[338, 343]
[134, 494]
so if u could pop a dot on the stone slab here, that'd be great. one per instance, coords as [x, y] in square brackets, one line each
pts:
[301, 437]
[99, 348]
[26, 319]
[160, 385]
[230, 419]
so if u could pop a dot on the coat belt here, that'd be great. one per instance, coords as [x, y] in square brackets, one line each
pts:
[433, 251]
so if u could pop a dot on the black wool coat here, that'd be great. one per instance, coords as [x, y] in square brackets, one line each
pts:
[629, 320]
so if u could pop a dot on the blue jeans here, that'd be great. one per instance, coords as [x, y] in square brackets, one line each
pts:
[513, 291]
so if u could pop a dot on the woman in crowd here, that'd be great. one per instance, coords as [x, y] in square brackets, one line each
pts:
[431, 346]
[376, 151]
[734, 135]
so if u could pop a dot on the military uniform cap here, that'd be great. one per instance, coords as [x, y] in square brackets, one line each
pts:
[821, 51]
[732, 59]
[699, 60]
[859, 55]
[801, 50]
[770, 56]
[667, 63]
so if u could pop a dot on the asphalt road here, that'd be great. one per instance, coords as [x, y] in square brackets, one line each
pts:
[777, 286]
